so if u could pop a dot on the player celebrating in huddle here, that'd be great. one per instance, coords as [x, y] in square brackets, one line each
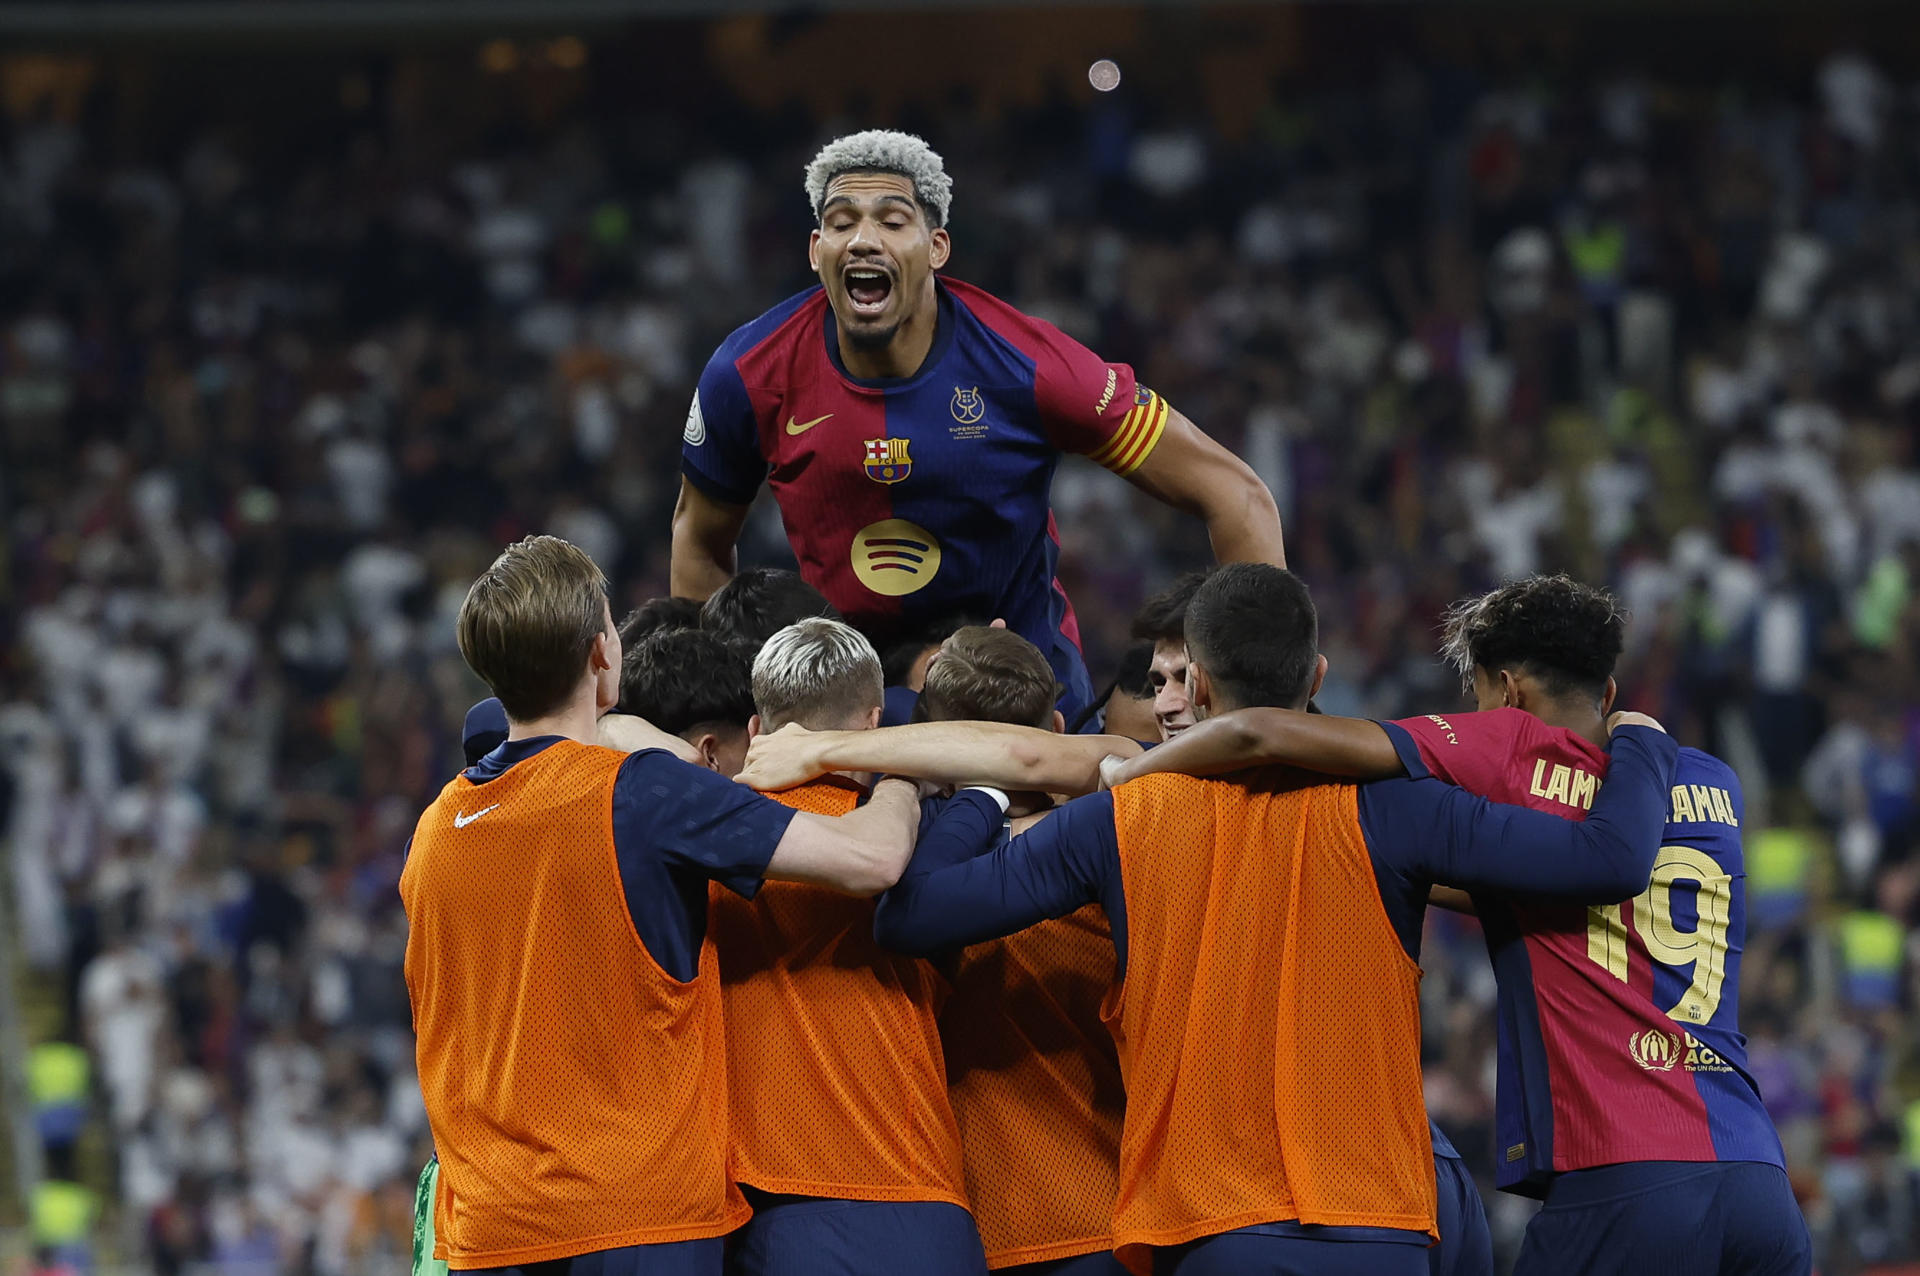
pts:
[1624, 1097]
[910, 426]
[1266, 933]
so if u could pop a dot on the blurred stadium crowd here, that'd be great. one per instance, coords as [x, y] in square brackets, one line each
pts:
[266, 414]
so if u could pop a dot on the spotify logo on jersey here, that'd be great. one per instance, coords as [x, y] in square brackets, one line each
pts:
[894, 557]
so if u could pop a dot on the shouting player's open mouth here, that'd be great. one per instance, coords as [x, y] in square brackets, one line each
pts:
[868, 288]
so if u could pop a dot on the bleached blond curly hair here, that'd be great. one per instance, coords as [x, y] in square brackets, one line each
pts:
[882, 150]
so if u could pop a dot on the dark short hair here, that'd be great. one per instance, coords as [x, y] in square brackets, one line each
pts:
[679, 679]
[656, 614]
[1566, 634]
[760, 602]
[1253, 628]
[1163, 617]
[528, 623]
[990, 675]
[1132, 678]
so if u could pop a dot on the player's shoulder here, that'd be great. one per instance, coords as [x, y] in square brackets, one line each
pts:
[781, 323]
[1027, 332]
[1697, 766]
[1473, 730]
[1706, 791]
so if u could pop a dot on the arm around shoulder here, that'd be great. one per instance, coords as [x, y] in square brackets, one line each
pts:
[861, 853]
[1352, 748]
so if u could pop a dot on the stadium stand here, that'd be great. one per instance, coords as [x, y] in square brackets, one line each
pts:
[267, 408]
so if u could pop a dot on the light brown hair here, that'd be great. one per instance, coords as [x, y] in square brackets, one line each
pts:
[989, 675]
[529, 622]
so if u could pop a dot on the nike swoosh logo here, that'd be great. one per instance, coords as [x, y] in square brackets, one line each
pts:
[461, 819]
[804, 426]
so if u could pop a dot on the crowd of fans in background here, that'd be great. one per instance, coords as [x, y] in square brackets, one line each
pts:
[265, 417]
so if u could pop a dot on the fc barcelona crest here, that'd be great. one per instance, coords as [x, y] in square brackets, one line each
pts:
[887, 460]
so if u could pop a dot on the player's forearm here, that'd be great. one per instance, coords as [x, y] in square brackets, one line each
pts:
[1243, 522]
[861, 853]
[1618, 842]
[695, 572]
[1192, 472]
[1352, 748]
[1000, 754]
[631, 734]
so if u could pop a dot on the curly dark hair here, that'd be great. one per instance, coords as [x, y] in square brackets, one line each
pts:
[1163, 617]
[1566, 634]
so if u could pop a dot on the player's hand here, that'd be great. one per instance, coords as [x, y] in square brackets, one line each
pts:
[1626, 718]
[788, 757]
[1114, 771]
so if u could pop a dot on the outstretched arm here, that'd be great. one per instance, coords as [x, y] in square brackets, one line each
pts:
[1192, 472]
[704, 533]
[1352, 748]
[996, 753]
[1070, 860]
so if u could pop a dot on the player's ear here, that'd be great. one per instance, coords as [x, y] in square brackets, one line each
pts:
[1511, 696]
[813, 250]
[941, 248]
[1319, 675]
[1059, 722]
[873, 716]
[1199, 687]
[1608, 696]
[753, 728]
[708, 747]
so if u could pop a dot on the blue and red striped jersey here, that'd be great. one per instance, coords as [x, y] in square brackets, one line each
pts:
[920, 498]
[1619, 1037]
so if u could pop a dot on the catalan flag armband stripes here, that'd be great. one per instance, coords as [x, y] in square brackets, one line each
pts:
[1138, 435]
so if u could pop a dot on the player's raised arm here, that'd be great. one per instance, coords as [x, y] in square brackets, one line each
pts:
[1352, 748]
[996, 753]
[1190, 471]
[1445, 834]
[1099, 410]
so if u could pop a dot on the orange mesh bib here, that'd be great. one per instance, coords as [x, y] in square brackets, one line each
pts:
[833, 1050]
[1035, 1085]
[577, 1093]
[1269, 1021]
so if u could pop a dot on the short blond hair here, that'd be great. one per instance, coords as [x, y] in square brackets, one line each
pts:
[816, 672]
[528, 624]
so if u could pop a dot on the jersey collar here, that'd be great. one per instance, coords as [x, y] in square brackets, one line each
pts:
[507, 755]
[942, 342]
